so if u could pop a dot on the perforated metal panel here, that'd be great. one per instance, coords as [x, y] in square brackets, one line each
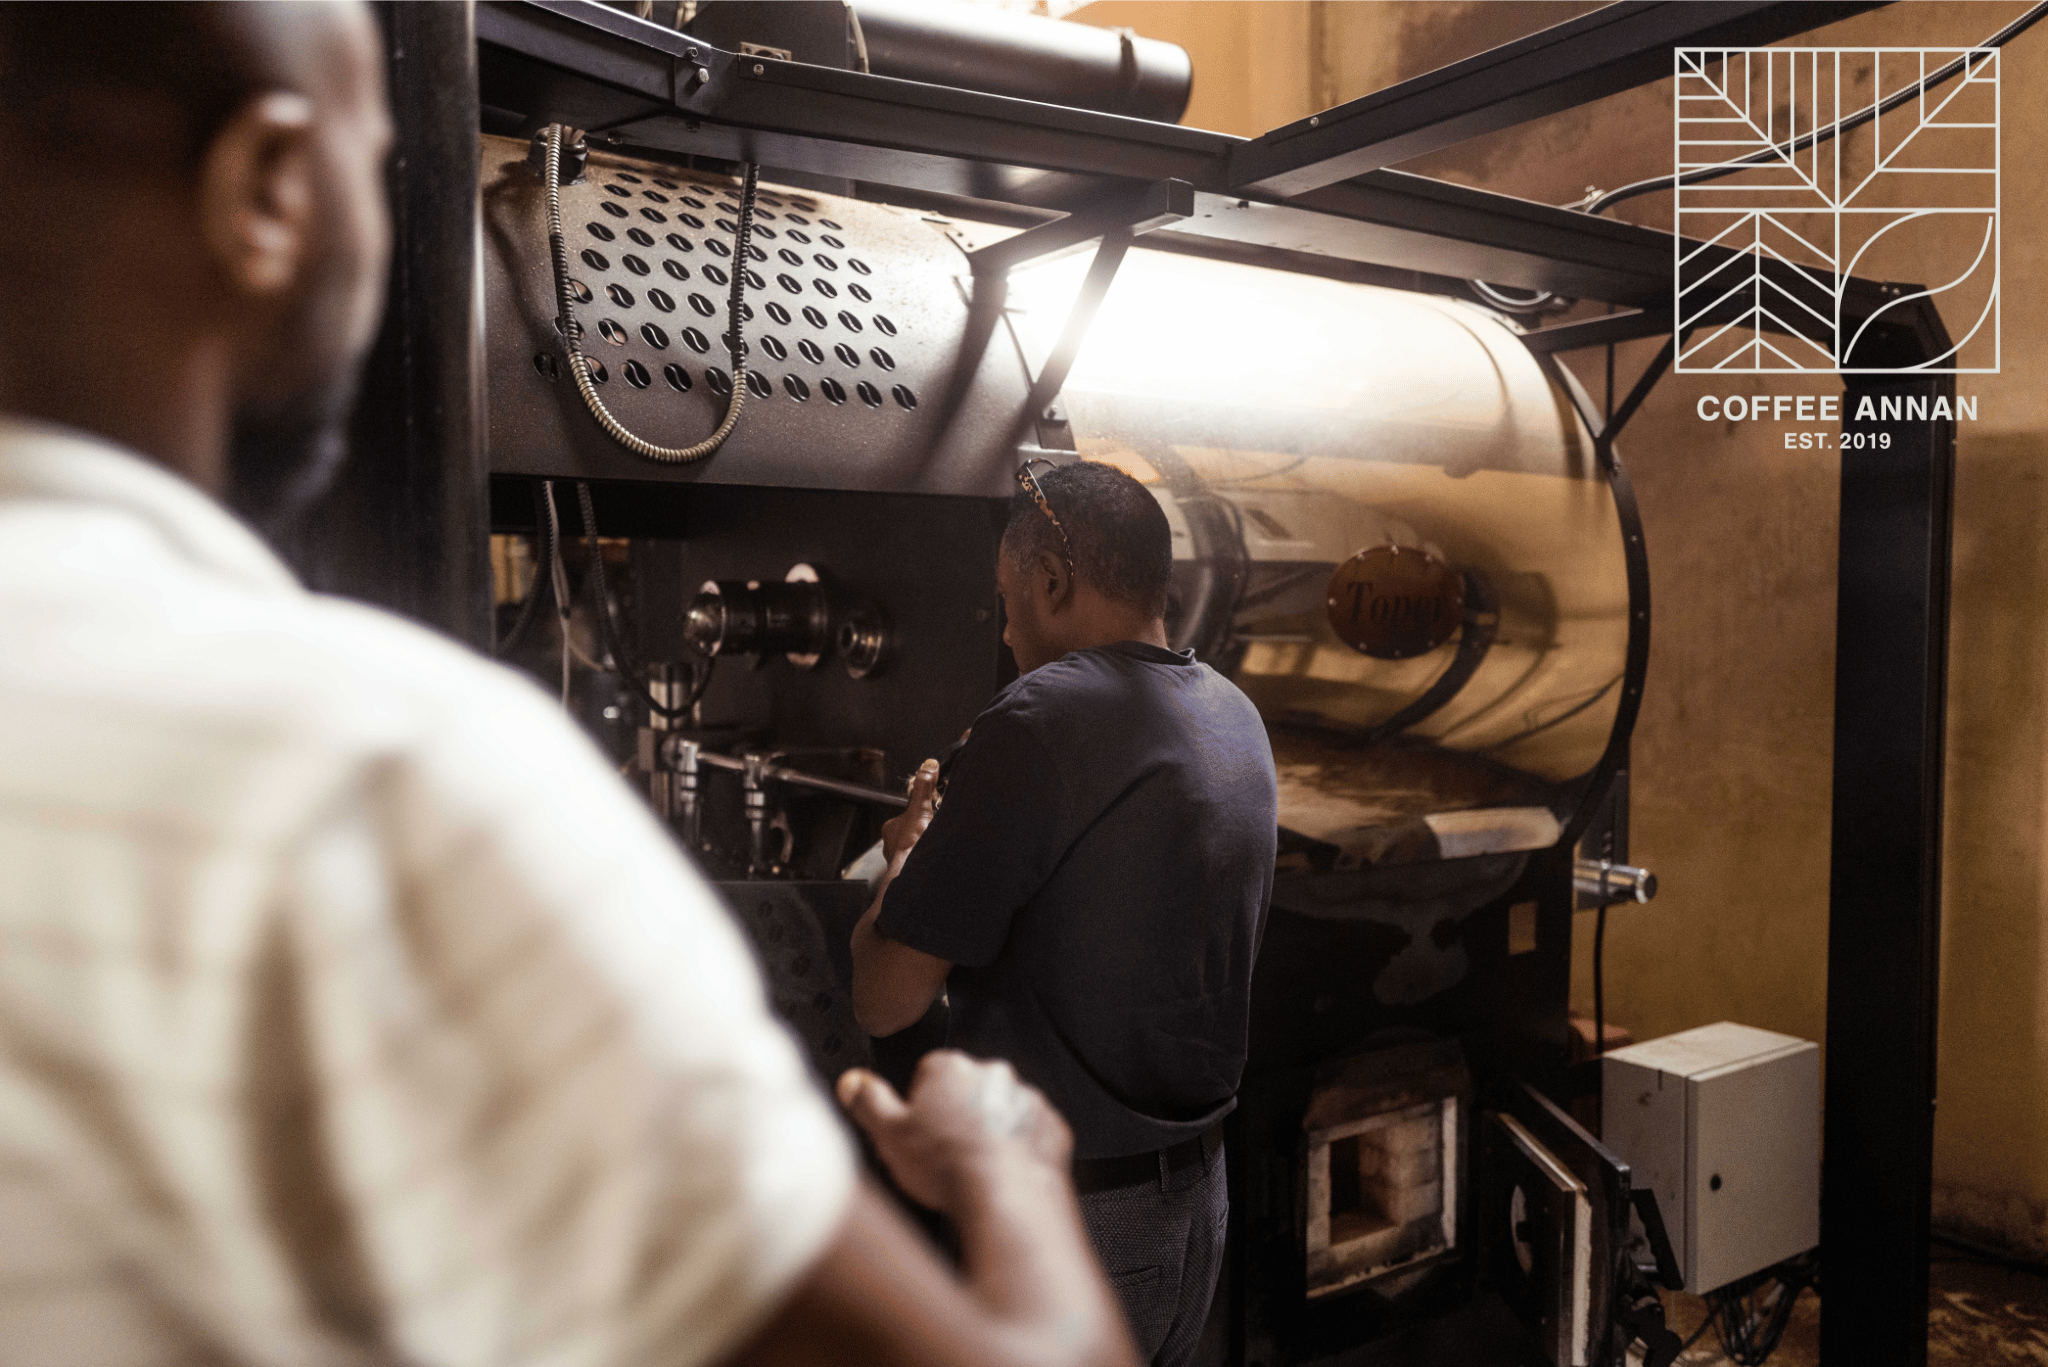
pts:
[852, 336]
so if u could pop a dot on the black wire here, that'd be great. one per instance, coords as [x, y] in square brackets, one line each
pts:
[1986, 1253]
[543, 581]
[1748, 1335]
[1600, 981]
[614, 637]
[1819, 135]
[1705, 1325]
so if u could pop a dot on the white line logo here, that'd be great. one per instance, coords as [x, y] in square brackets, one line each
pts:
[1769, 215]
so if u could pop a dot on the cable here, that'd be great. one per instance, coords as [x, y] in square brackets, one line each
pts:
[542, 582]
[1819, 135]
[860, 39]
[572, 331]
[559, 574]
[1705, 1324]
[1542, 301]
[614, 637]
[1750, 1333]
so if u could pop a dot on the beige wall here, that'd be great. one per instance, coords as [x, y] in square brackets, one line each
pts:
[1733, 749]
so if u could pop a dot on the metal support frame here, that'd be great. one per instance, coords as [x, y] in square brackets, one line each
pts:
[1614, 48]
[596, 67]
[1112, 223]
[1052, 376]
[407, 522]
[1635, 556]
[1152, 206]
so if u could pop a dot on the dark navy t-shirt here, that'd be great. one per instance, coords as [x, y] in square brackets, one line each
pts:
[1098, 874]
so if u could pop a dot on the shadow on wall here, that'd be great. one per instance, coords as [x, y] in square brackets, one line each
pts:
[1997, 820]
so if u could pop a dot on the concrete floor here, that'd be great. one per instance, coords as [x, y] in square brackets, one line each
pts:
[1979, 1315]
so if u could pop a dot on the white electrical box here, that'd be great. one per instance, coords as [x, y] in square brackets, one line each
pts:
[1723, 1124]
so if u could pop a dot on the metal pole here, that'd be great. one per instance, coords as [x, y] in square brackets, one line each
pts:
[407, 523]
[1884, 924]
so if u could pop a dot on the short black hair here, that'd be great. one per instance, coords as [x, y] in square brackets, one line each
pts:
[86, 78]
[1122, 545]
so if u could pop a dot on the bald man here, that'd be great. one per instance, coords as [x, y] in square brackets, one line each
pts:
[351, 1010]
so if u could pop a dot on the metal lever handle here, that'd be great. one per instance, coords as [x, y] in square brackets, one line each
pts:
[1608, 883]
[779, 773]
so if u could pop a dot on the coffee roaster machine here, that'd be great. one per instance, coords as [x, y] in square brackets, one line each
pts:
[1398, 524]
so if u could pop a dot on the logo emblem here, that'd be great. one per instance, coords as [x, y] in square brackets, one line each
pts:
[1911, 194]
[1393, 603]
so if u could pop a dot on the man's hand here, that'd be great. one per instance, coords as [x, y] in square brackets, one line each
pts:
[965, 1122]
[893, 984]
[900, 832]
[978, 1144]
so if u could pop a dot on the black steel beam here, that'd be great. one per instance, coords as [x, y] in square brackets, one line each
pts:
[601, 69]
[1131, 213]
[1614, 48]
[1884, 919]
[406, 524]
[1629, 325]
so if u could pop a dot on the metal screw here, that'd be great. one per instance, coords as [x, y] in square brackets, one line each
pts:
[758, 68]
[1314, 122]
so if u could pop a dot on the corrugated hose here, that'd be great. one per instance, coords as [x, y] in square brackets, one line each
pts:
[572, 331]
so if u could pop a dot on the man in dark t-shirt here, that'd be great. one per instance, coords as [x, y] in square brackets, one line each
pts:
[1091, 892]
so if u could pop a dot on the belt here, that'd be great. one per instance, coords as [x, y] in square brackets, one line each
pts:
[1128, 1170]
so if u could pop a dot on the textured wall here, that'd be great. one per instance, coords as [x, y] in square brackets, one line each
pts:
[1733, 751]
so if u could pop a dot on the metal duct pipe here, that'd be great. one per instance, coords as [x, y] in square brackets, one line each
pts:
[1027, 57]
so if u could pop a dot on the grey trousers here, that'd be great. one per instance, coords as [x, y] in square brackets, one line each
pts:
[1162, 1246]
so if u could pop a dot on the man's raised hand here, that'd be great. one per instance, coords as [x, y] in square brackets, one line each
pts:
[900, 832]
[964, 1121]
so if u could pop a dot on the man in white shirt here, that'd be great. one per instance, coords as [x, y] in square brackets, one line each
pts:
[351, 1010]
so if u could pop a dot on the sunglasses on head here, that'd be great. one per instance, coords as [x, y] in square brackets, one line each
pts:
[1028, 482]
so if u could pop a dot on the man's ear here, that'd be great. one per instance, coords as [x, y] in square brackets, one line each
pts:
[1057, 578]
[256, 194]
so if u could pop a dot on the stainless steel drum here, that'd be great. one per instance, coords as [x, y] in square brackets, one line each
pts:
[1309, 437]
